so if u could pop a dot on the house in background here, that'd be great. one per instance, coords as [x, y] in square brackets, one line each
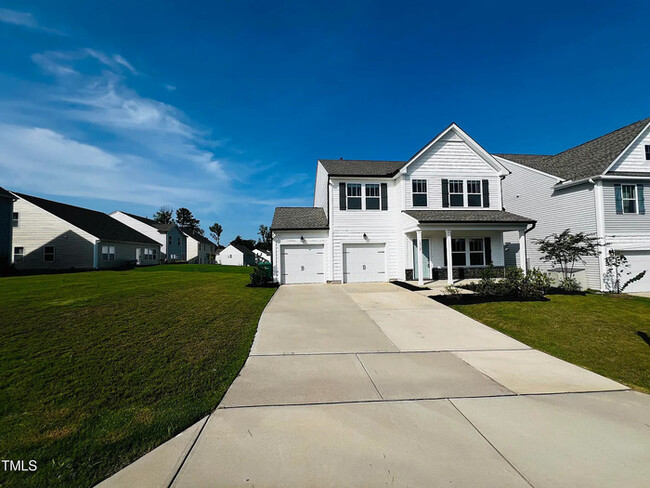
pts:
[438, 215]
[598, 187]
[261, 256]
[48, 235]
[200, 249]
[6, 227]
[236, 255]
[173, 242]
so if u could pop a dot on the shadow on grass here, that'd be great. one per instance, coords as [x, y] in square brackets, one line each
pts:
[643, 336]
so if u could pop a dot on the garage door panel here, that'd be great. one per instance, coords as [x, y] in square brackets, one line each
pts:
[364, 263]
[638, 261]
[303, 264]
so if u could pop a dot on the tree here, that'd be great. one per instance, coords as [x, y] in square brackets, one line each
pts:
[215, 232]
[186, 220]
[249, 243]
[164, 215]
[618, 267]
[566, 249]
[264, 244]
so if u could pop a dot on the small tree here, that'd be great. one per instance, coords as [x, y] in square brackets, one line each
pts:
[264, 243]
[617, 268]
[566, 249]
[186, 220]
[215, 232]
[249, 243]
[164, 215]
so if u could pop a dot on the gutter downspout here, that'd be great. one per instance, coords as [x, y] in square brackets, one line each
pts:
[95, 256]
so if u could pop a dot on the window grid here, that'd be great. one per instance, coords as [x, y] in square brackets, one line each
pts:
[458, 253]
[474, 195]
[456, 193]
[628, 193]
[372, 196]
[476, 252]
[419, 193]
[647, 152]
[19, 253]
[108, 253]
[48, 254]
[353, 196]
[15, 219]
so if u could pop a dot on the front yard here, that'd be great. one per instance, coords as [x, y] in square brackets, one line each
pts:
[98, 368]
[604, 333]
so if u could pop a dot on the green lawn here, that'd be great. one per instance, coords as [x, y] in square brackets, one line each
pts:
[98, 368]
[602, 333]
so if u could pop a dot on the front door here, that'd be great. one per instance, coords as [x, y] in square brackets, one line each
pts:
[427, 264]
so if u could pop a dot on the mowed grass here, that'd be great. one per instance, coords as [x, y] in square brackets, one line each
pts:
[603, 333]
[98, 368]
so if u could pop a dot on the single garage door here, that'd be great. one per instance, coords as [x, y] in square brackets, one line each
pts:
[302, 264]
[364, 263]
[638, 261]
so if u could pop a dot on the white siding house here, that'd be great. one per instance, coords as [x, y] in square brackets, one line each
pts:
[399, 220]
[200, 250]
[236, 255]
[54, 236]
[173, 242]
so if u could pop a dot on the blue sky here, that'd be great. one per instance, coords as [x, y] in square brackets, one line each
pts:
[224, 107]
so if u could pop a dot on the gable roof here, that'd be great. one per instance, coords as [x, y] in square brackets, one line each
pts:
[586, 160]
[356, 167]
[5, 194]
[196, 236]
[299, 218]
[241, 248]
[162, 228]
[465, 216]
[98, 224]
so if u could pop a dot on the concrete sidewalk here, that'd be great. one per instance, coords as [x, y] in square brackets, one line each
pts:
[368, 385]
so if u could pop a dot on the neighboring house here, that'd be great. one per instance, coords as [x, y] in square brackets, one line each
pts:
[49, 235]
[237, 255]
[200, 249]
[6, 227]
[261, 256]
[598, 187]
[170, 237]
[438, 215]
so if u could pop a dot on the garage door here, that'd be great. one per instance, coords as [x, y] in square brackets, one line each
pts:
[638, 261]
[364, 263]
[302, 264]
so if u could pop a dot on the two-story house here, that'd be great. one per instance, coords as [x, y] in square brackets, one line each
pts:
[438, 215]
[200, 249]
[597, 187]
[172, 240]
[6, 227]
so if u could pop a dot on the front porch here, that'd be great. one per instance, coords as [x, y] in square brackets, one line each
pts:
[469, 240]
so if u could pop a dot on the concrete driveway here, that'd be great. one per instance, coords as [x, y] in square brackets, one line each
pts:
[372, 385]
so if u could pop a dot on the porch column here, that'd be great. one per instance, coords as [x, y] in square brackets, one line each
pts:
[523, 252]
[418, 233]
[450, 271]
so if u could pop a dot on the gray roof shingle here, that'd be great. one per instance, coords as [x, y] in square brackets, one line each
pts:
[299, 218]
[197, 236]
[5, 194]
[162, 228]
[586, 160]
[100, 225]
[349, 167]
[467, 216]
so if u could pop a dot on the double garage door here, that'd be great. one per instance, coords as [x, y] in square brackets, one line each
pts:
[303, 264]
[638, 261]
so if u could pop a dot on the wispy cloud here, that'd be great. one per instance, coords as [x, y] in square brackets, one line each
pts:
[24, 19]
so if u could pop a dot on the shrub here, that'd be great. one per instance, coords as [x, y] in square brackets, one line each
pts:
[569, 285]
[452, 293]
[259, 277]
[515, 284]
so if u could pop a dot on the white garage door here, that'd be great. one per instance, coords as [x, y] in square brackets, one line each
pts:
[364, 263]
[302, 264]
[638, 261]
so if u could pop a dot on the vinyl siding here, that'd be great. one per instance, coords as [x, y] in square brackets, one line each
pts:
[450, 159]
[320, 188]
[175, 248]
[283, 238]
[531, 194]
[633, 159]
[37, 228]
[192, 250]
[625, 223]
[126, 255]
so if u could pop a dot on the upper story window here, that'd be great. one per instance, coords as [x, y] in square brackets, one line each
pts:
[419, 193]
[456, 193]
[474, 193]
[15, 218]
[19, 252]
[354, 196]
[171, 239]
[108, 253]
[647, 152]
[48, 254]
[179, 241]
[629, 196]
[372, 196]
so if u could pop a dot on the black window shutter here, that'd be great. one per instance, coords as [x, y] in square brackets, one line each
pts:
[488, 250]
[342, 196]
[485, 186]
[641, 198]
[619, 198]
[384, 196]
[444, 249]
[445, 194]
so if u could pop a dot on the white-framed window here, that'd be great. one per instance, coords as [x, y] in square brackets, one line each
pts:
[15, 218]
[108, 253]
[629, 197]
[353, 194]
[419, 193]
[456, 193]
[474, 195]
[19, 254]
[150, 254]
[647, 152]
[373, 196]
[476, 252]
[458, 252]
[48, 254]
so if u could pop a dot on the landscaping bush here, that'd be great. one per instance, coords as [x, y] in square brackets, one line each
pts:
[570, 285]
[515, 284]
[260, 277]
